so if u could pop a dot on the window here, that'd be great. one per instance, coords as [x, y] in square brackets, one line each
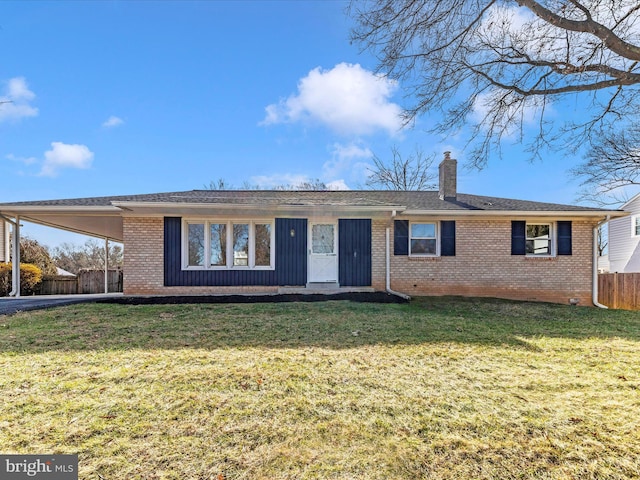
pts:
[635, 224]
[222, 245]
[240, 244]
[195, 248]
[263, 244]
[422, 239]
[538, 239]
[218, 250]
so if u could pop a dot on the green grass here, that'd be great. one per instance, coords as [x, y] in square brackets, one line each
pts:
[442, 388]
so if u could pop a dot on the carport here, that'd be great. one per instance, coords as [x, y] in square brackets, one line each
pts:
[100, 220]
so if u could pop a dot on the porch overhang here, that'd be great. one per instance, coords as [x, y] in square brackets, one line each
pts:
[103, 221]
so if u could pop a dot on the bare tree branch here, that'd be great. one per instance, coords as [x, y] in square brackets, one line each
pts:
[496, 66]
[410, 173]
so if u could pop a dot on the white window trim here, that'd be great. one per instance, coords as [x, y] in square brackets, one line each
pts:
[207, 244]
[437, 238]
[634, 219]
[552, 238]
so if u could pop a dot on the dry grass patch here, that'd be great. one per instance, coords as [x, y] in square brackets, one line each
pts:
[438, 389]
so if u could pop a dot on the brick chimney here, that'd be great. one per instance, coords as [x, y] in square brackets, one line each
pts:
[448, 177]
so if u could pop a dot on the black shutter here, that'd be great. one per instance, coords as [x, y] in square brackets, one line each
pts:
[448, 238]
[518, 237]
[564, 238]
[401, 237]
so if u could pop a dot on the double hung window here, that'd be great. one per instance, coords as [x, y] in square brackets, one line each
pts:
[423, 239]
[228, 244]
[539, 236]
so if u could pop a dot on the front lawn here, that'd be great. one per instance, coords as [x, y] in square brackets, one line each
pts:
[442, 388]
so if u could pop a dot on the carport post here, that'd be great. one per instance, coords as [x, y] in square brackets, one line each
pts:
[106, 265]
[15, 260]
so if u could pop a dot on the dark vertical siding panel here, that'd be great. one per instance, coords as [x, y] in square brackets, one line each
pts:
[564, 238]
[175, 276]
[354, 252]
[401, 237]
[291, 252]
[518, 237]
[448, 238]
[172, 250]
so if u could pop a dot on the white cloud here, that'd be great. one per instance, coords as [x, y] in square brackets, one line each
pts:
[266, 182]
[15, 101]
[347, 99]
[288, 180]
[23, 160]
[345, 159]
[338, 185]
[63, 155]
[112, 122]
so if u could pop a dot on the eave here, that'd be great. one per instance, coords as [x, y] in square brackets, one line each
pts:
[517, 213]
[257, 210]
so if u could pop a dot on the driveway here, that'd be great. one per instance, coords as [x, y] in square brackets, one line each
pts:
[10, 305]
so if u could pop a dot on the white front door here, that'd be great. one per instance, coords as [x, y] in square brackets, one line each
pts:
[323, 257]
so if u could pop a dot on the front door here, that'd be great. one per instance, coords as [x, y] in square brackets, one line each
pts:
[323, 258]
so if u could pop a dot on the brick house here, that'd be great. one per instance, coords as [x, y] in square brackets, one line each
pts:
[416, 243]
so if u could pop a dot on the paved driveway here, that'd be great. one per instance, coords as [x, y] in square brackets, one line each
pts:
[9, 306]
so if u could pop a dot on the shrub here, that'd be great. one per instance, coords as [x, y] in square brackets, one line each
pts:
[5, 279]
[30, 277]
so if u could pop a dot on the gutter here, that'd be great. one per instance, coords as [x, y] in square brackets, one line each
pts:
[388, 269]
[515, 213]
[594, 287]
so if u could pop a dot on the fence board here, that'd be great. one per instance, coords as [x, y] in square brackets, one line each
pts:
[59, 285]
[619, 290]
[87, 281]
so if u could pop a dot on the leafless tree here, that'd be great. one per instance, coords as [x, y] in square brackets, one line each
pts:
[602, 240]
[409, 173]
[498, 65]
[311, 185]
[611, 164]
[222, 184]
[32, 252]
[73, 258]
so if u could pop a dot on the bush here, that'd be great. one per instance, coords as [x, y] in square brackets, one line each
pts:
[30, 277]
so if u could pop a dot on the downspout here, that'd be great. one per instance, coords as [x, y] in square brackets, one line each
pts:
[388, 269]
[15, 257]
[594, 288]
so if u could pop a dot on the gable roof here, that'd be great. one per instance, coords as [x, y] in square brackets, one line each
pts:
[409, 200]
[102, 216]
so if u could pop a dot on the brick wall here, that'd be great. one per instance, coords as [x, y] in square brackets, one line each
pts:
[144, 263]
[143, 270]
[484, 266]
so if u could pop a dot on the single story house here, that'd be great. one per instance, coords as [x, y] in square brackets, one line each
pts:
[416, 243]
[624, 240]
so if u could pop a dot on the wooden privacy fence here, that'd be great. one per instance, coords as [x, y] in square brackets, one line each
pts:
[619, 290]
[87, 281]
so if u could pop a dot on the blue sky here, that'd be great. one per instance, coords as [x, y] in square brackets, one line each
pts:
[122, 97]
